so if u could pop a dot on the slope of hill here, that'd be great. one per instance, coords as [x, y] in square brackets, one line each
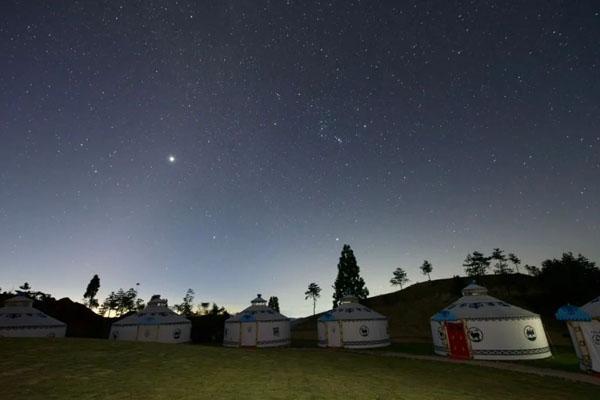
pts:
[409, 310]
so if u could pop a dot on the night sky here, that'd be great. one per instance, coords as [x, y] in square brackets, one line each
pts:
[234, 147]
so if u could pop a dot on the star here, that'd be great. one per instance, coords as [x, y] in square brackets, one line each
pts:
[171, 158]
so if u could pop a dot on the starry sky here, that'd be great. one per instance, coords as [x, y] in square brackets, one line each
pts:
[234, 146]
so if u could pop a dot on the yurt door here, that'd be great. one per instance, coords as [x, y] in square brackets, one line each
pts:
[457, 340]
[147, 333]
[334, 334]
[248, 334]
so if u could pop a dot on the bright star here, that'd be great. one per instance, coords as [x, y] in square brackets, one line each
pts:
[171, 158]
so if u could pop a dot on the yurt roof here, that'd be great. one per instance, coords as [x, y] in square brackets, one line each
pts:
[572, 313]
[350, 309]
[18, 312]
[156, 312]
[477, 304]
[592, 308]
[258, 311]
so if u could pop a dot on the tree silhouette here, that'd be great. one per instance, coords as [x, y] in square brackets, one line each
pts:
[348, 281]
[273, 303]
[426, 269]
[400, 278]
[313, 292]
[91, 291]
[121, 302]
[216, 310]
[186, 307]
[501, 266]
[26, 287]
[476, 264]
[532, 270]
[515, 260]
[570, 279]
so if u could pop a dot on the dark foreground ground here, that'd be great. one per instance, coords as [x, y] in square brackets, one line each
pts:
[98, 369]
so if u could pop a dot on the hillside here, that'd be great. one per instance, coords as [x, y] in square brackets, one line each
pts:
[409, 310]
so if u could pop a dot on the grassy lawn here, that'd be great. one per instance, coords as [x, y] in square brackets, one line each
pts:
[563, 357]
[98, 369]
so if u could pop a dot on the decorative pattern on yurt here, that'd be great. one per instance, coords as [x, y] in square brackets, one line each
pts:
[584, 326]
[353, 325]
[155, 323]
[483, 327]
[257, 326]
[18, 318]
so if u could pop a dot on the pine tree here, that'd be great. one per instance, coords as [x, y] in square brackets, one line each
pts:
[426, 268]
[348, 281]
[501, 266]
[89, 297]
[273, 303]
[400, 278]
[515, 260]
[313, 292]
[476, 264]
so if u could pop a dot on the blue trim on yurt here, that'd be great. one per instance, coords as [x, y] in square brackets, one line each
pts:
[248, 318]
[327, 317]
[572, 313]
[147, 321]
[444, 315]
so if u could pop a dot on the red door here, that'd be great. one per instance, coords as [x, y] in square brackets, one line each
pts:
[457, 340]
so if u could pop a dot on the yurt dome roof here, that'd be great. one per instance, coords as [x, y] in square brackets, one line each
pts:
[350, 309]
[156, 312]
[477, 304]
[572, 313]
[19, 312]
[592, 308]
[258, 311]
[473, 289]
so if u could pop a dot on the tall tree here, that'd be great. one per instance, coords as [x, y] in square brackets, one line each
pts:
[187, 306]
[515, 261]
[426, 268]
[313, 292]
[89, 297]
[400, 278]
[501, 266]
[273, 303]
[476, 264]
[109, 304]
[348, 281]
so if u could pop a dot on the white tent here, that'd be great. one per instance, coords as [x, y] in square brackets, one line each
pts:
[482, 327]
[155, 323]
[352, 325]
[257, 326]
[18, 318]
[584, 327]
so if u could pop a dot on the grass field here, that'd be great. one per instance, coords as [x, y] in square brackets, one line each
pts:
[563, 357]
[98, 369]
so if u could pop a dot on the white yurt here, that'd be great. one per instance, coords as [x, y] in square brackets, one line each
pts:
[155, 323]
[354, 326]
[584, 326]
[18, 318]
[483, 327]
[257, 326]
